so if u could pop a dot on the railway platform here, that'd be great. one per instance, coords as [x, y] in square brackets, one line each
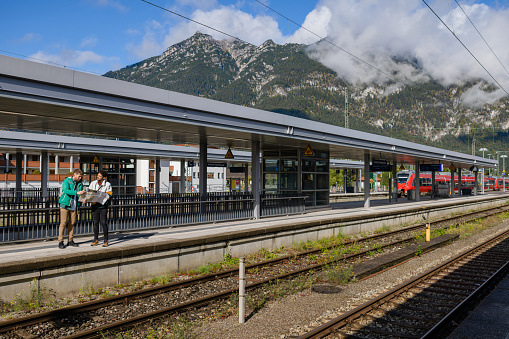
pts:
[141, 254]
[490, 319]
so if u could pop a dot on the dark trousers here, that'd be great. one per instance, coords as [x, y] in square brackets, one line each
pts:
[100, 216]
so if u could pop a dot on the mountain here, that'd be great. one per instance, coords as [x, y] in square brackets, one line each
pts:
[284, 79]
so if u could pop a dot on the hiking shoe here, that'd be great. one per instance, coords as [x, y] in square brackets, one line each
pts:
[61, 244]
[105, 244]
[95, 243]
[72, 243]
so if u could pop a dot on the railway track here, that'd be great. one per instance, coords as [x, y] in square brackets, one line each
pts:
[424, 307]
[197, 291]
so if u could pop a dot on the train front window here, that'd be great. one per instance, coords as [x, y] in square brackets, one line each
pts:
[402, 178]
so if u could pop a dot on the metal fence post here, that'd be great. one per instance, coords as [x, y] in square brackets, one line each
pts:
[242, 291]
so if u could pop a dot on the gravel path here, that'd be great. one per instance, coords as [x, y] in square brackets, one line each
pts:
[299, 313]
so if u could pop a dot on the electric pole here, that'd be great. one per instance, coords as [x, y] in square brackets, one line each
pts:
[346, 107]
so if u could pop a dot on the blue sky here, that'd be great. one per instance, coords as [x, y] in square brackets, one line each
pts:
[98, 35]
[102, 35]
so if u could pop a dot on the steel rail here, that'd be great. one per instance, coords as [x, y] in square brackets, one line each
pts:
[348, 317]
[114, 300]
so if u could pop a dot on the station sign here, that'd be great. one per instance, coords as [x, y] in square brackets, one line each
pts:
[379, 162]
[190, 163]
[380, 168]
[237, 169]
[216, 164]
[431, 167]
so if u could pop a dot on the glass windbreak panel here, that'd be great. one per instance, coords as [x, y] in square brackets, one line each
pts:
[323, 155]
[322, 198]
[110, 167]
[310, 198]
[127, 168]
[308, 181]
[113, 179]
[270, 165]
[322, 181]
[128, 179]
[270, 181]
[322, 166]
[288, 181]
[271, 153]
[308, 165]
[289, 153]
[110, 159]
[289, 165]
[130, 190]
[127, 160]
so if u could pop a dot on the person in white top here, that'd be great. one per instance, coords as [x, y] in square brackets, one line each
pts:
[100, 211]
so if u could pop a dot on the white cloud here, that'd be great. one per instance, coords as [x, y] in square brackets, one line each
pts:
[30, 37]
[380, 32]
[111, 3]
[74, 58]
[228, 19]
[88, 42]
[150, 44]
[317, 21]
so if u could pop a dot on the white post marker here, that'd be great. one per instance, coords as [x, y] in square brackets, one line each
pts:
[242, 291]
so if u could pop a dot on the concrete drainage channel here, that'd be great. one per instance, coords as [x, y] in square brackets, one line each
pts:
[72, 273]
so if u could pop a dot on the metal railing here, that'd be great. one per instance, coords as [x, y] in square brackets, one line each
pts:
[36, 219]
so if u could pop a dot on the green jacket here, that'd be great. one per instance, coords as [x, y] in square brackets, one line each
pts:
[68, 192]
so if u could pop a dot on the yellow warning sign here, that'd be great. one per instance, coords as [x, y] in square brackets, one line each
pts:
[452, 168]
[309, 152]
[229, 154]
[96, 159]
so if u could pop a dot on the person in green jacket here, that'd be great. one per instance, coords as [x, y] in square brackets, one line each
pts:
[72, 187]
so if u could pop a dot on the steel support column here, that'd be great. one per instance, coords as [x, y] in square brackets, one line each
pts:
[459, 180]
[44, 174]
[246, 178]
[367, 185]
[182, 175]
[19, 167]
[452, 184]
[158, 176]
[203, 169]
[255, 178]
[476, 183]
[417, 181]
[433, 191]
[395, 179]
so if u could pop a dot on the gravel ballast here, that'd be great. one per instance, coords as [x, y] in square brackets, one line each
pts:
[299, 313]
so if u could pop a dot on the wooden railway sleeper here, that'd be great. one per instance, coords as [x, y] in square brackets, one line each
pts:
[430, 296]
[397, 323]
[451, 286]
[390, 333]
[409, 316]
[431, 289]
[413, 308]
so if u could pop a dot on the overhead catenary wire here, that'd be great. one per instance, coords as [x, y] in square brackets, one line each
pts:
[331, 43]
[482, 37]
[461, 42]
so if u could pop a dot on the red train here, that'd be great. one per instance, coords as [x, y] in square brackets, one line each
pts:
[406, 181]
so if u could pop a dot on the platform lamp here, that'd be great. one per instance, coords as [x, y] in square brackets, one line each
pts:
[484, 149]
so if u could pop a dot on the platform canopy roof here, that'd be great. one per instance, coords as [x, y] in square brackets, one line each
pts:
[40, 97]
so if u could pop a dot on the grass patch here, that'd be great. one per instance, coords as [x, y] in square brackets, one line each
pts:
[337, 274]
